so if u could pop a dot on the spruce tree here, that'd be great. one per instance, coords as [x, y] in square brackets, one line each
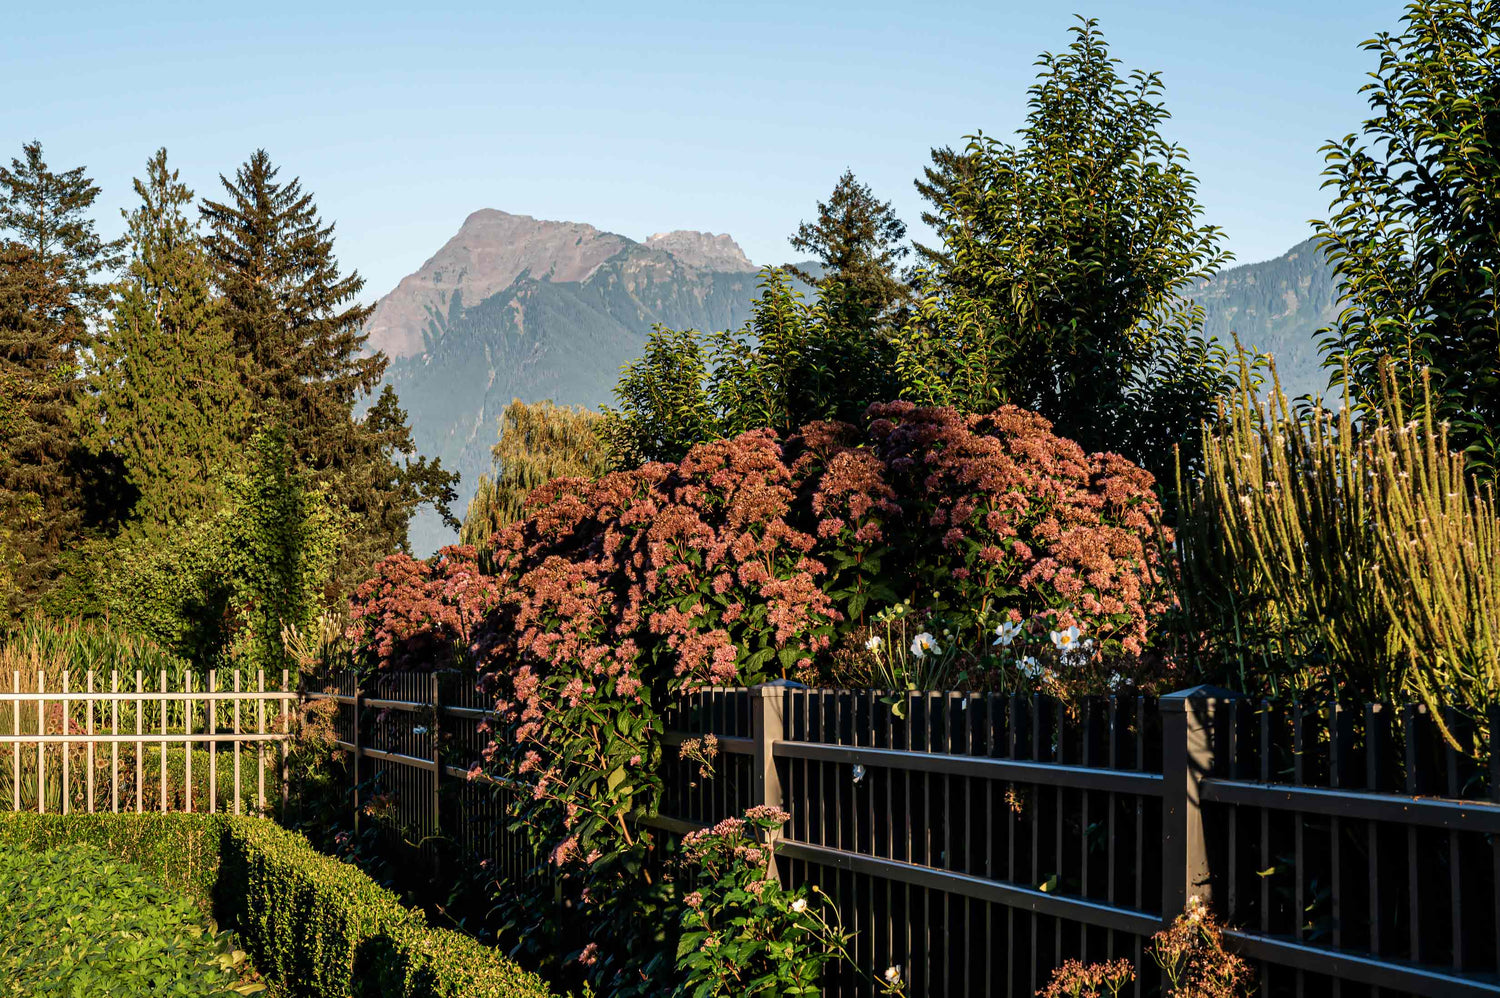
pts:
[171, 403]
[296, 323]
[859, 241]
[50, 257]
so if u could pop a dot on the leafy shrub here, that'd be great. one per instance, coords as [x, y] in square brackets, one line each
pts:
[180, 851]
[77, 921]
[302, 915]
[743, 933]
[233, 580]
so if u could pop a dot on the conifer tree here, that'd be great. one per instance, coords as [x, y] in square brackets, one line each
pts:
[858, 240]
[296, 323]
[171, 402]
[50, 257]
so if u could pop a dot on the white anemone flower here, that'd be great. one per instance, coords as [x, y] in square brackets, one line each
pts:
[1065, 640]
[875, 643]
[1029, 667]
[924, 643]
[1006, 632]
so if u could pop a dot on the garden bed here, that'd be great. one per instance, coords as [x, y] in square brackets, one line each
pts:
[78, 921]
[315, 927]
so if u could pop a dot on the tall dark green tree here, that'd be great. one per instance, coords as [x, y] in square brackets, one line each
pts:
[1065, 259]
[297, 325]
[1414, 235]
[50, 261]
[860, 243]
[171, 404]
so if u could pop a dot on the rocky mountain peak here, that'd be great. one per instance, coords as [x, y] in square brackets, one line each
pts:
[487, 254]
[703, 250]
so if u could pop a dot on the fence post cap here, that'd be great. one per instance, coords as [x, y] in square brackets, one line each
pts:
[776, 686]
[1179, 700]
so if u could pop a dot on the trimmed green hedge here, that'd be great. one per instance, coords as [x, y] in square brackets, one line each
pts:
[318, 927]
[176, 850]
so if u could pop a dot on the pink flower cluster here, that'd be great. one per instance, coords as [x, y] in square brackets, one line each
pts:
[1006, 505]
[420, 614]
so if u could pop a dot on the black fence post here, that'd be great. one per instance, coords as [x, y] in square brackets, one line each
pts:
[767, 727]
[1189, 755]
[437, 754]
[357, 754]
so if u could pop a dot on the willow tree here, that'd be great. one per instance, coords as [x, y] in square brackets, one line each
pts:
[538, 442]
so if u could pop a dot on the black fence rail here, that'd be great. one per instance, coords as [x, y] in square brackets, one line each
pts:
[976, 841]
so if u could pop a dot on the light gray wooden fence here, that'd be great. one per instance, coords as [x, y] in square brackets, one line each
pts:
[119, 741]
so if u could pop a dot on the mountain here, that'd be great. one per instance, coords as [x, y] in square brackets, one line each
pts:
[514, 307]
[1276, 307]
[517, 307]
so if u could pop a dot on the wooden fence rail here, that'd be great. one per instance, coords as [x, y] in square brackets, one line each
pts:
[97, 742]
[977, 840]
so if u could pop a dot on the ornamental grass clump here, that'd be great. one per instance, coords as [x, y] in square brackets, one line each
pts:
[1332, 558]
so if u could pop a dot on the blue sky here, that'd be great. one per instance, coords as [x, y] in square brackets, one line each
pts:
[642, 117]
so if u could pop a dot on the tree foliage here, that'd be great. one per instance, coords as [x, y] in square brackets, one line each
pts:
[538, 442]
[171, 403]
[1414, 235]
[258, 564]
[1064, 261]
[296, 324]
[50, 259]
[792, 362]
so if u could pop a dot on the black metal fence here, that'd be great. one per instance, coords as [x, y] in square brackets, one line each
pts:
[976, 841]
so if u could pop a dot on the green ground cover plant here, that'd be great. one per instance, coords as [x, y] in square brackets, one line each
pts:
[78, 921]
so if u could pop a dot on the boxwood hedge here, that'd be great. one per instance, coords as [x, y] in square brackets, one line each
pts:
[315, 926]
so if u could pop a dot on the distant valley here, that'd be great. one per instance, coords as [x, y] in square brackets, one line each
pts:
[516, 307]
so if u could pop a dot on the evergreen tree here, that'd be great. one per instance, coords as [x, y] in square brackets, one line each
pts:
[50, 256]
[295, 322]
[171, 404]
[858, 240]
